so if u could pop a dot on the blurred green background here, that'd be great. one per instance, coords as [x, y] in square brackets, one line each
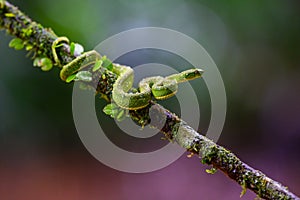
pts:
[256, 46]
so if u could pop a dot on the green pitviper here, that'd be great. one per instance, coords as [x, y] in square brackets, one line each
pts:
[157, 86]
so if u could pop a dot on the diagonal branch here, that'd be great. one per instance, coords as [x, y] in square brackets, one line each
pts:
[38, 40]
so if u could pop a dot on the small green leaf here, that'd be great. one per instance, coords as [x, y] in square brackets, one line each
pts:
[114, 106]
[19, 46]
[16, 43]
[107, 63]
[71, 78]
[72, 48]
[97, 65]
[114, 113]
[9, 15]
[112, 110]
[28, 47]
[110, 67]
[46, 64]
[108, 109]
[28, 32]
[84, 76]
[36, 62]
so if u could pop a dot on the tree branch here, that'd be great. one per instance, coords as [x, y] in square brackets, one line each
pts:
[38, 40]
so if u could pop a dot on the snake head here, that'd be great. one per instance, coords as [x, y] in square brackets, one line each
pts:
[191, 74]
[186, 75]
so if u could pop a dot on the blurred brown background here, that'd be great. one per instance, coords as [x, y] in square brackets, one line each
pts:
[256, 47]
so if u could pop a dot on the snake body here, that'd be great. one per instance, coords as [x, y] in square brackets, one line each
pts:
[157, 86]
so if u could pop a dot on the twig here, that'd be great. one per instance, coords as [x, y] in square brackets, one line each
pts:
[175, 129]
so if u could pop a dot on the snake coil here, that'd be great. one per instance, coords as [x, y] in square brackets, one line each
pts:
[157, 86]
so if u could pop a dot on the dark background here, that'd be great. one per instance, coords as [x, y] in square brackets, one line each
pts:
[256, 47]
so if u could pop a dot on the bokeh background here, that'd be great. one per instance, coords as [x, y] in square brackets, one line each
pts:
[256, 46]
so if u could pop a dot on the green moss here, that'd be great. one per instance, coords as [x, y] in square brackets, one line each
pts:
[244, 189]
[141, 116]
[9, 15]
[211, 170]
[208, 153]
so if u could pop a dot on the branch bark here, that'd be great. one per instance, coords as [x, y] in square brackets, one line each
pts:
[175, 129]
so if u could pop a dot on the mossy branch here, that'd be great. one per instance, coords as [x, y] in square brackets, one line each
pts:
[39, 40]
